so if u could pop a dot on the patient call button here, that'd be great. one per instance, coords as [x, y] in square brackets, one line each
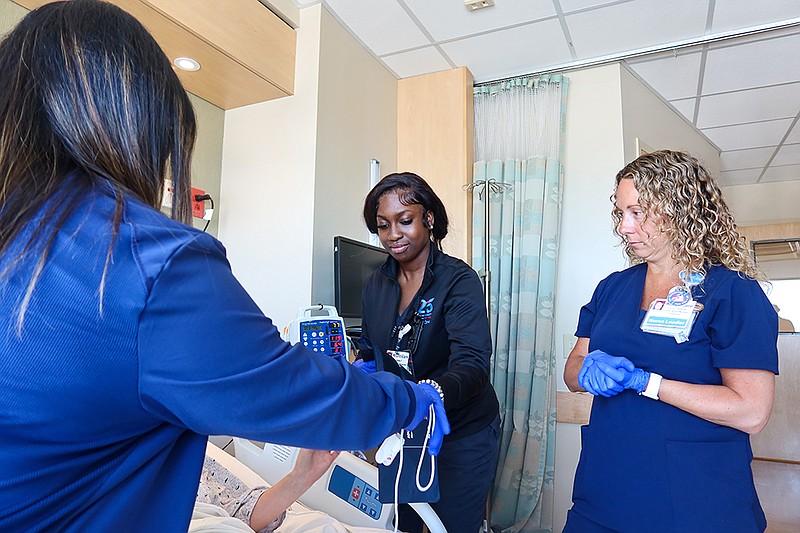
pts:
[356, 493]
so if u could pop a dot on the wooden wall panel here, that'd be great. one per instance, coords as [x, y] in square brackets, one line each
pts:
[771, 231]
[226, 77]
[780, 440]
[251, 34]
[435, 140]
[573, 407]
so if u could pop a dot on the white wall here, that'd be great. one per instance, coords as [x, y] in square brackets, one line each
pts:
[646, 117]
[207, 158]
[764, 203]
[593, 153]
[297, 168]
[607, 109]
[267, 187]
[356, 122]
[10, 15]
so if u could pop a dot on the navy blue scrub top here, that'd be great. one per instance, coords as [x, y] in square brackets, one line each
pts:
[646, 465]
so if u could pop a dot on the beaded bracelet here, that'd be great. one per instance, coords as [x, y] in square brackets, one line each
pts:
[435, 386]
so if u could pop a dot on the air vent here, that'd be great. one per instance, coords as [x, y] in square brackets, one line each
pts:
[474, 5]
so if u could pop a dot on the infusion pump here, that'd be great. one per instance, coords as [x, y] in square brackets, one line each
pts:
[323, 331]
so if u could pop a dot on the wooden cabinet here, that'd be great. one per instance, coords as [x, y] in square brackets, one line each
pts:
[435, 122]
[246, 52]
[780, 440]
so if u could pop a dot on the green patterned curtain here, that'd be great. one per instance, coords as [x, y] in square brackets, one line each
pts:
[518, 127]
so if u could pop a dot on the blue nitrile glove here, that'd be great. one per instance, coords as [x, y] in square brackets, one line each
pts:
[636, 379]
[602, 374]
[365, 366]
[425, 396]
[367, 355]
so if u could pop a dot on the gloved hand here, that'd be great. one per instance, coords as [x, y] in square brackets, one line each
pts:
[367, 355]
[636, 379]
[365, 366]
[602, 374]
[425, 396]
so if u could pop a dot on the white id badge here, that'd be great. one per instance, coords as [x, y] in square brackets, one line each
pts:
[663, 318]
[401, 358]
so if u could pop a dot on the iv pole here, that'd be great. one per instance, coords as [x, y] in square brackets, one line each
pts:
[487, 186]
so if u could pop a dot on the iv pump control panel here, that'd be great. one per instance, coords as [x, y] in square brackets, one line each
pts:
[321, 333]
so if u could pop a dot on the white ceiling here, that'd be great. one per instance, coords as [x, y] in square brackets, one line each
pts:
[742, 93]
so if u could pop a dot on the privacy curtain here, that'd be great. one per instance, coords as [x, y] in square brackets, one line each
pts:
[518, 126]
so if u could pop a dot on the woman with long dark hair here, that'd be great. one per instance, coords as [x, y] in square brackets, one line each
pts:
[124, 338]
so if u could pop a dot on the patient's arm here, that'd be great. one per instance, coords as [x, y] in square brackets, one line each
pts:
[308, 468]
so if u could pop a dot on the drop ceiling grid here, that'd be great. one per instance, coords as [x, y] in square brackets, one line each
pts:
[383, 26]
[735, 14]
[535, 47]
[416, 62]
[448, 20]
[713, 89]
[765, 62]
[636, 25]
[673, 76]
[753, 135]
[751, 105]
[751, 158]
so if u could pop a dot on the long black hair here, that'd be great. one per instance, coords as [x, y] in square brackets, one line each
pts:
[86, 94]
[411, 189]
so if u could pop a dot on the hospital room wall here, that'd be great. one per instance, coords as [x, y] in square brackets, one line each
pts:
[607, 109]
[207, 160]
[357, 121]
[296, 168]
[207, 157]
[10, 15]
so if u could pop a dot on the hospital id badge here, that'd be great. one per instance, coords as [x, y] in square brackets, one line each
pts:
[663, 318]
[402, 358]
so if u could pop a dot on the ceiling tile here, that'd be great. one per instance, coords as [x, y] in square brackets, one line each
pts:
[451, 20]
[766, 103]
[736, 14]
[739, 159]
[567, 6]
[685, 108]
[511, 52]
[370, 22]
[794, 135]
[754, 37]
[672, 77]
[416, 62]
[789, 154]
[635, 25]
[755, 64]
[783, 173]
[753, 135]
[739, 177]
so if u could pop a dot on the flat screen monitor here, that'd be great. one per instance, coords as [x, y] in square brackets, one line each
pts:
[353, 263]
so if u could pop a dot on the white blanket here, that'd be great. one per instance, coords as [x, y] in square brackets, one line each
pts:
[208, 518]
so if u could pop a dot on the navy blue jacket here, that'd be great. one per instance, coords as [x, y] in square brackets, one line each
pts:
[104, 414]
[454, 342]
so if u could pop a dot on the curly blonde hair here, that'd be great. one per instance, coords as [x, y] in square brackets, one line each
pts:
[677, 190]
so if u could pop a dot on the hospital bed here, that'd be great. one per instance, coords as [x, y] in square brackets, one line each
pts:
[347, 491]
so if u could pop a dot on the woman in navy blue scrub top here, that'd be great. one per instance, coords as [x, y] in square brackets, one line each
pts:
[680, 353]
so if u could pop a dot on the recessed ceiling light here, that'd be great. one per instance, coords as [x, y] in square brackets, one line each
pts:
[186, 63]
